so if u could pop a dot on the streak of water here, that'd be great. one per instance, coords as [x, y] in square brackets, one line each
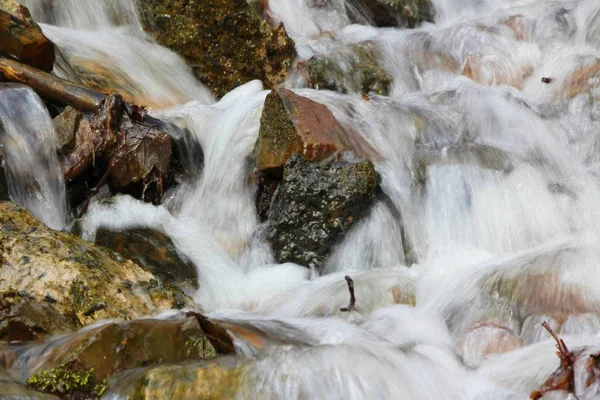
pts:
[28, 146]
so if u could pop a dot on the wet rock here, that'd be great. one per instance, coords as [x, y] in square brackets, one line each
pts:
[215, 380]
[401, 13]
[82, 282]
[10, 389]
[22, 38]
[22, 318]
[66, 125]
[224, 41]
[315, 204]
[352, 70]
[292, 124]
[93, 355]
[153, 251]
[120, 145]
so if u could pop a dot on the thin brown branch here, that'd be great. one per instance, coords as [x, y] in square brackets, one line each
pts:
[352, 305]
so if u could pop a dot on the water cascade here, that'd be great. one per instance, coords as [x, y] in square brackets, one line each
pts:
[487, 144]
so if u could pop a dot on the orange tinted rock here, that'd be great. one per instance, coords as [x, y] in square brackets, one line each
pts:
[22, 38]
[495, 71]
[292, 124]
[487, 339]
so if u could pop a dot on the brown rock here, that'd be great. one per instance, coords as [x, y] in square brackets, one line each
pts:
[22, 38]
[66, 125]
[293, 124]
[117, 346]
[23, 318]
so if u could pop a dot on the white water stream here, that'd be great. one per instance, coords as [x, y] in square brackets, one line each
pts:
[497, 183]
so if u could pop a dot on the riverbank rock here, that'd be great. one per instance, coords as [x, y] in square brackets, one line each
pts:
[224, 41]
[352, 70]
[95, 354]
[154, 251]
[83, 282]
[315, 204]
[396, 13]
[22, 38]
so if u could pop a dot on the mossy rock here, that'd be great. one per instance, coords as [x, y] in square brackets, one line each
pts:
[354, 69]
[224, 41]
[81, 281]
[80, 365]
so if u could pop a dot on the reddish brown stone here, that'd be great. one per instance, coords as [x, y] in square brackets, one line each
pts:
[293, 124]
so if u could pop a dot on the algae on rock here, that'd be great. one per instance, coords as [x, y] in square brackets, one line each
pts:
[224, 41]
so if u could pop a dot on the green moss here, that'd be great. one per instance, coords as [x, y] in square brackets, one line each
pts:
[62, 381]
[200, 346]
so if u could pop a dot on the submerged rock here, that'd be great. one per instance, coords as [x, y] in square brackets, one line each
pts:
[10, 389]
[352, 70]
[315, 204]
[224, 41]
[82, 282]
[22, 38]
[401, 13]
[93, 355]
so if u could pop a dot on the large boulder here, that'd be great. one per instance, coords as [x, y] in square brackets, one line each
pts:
[315, 204]
[81, 281]
[80, 364]
[22, 38]
[224, 41]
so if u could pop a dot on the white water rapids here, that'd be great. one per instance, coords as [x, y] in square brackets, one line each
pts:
[494, 187]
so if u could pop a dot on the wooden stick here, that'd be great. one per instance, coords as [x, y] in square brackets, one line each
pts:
[50, 87]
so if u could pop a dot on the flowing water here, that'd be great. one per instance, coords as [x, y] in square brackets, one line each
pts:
[492, 223]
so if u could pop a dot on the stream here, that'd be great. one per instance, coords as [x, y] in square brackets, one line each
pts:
[491, 224]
